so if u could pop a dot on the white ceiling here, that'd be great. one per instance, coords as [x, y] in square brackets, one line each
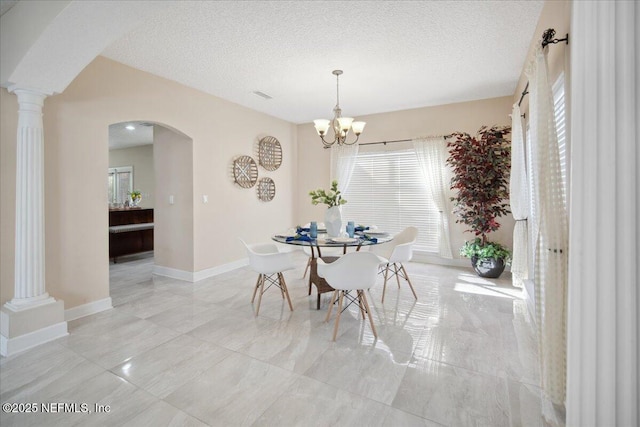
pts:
[5, 5]
[121, 137]
[395, 54]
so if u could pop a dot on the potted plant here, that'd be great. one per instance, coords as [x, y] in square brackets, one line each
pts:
[480, 167]
[136, 197]
[333, 199]
[488, 259]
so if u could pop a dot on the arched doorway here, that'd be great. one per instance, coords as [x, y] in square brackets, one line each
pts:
[156, 160]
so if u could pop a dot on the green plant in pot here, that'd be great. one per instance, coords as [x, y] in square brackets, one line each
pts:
[480, 166]
[333, 199]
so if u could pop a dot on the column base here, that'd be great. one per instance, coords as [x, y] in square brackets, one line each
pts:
[19, 304]
[28, 327]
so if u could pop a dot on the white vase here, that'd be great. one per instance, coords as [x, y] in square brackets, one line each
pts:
[333, 221]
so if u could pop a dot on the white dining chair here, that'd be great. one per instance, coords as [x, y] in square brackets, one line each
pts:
[325, 252]
[266, 260]
[393, 254]
[355, 271]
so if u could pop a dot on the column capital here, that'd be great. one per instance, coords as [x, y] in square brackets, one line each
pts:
[30, 102]
[29, 91]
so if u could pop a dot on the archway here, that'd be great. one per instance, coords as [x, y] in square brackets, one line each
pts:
[159, 159]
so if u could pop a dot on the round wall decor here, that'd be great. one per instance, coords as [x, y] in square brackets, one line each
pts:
[269, 153]
[245, 171]
[266, 189]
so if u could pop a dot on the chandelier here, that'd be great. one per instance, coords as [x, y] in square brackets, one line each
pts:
[341, 125]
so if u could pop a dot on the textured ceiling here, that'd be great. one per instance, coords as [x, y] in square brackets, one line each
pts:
[5, 5]
[395, 54]
[121, 137]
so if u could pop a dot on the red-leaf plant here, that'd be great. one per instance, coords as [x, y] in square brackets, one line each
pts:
[481, 167]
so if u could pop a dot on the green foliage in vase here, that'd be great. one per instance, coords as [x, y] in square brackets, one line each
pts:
[330, 198]
[475, 248]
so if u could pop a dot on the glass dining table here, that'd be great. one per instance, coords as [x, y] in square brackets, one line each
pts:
[360, 239]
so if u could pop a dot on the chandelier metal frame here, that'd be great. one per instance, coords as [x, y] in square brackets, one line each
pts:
[340, 125]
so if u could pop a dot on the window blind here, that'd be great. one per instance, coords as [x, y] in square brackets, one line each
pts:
[120, 184]
[388, 189]
[560, 116]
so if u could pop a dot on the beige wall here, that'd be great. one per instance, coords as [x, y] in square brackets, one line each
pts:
[141, 159]
[555, 14]
[76, 125]
[173, 229]
[440, 120]
[8, 132]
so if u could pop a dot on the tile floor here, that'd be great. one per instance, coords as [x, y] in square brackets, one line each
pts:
[193, 354]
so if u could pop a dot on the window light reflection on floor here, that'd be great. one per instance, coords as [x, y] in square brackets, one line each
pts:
[477, 285]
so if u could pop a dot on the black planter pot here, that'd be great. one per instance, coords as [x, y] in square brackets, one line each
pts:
[490, 268]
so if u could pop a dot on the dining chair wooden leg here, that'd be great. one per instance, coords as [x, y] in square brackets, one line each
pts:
[283, 285]
[335, 329]
[384, 286]
[395, 268]
[333, 301]
[366, 306]
[261, 292]
[406, 276]
[280, 284]
[255, 289]
[305, 272]
[360, 304]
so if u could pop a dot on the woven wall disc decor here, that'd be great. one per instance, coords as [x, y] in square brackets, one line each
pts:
[266, 189]
[269, 153]
[245, 171]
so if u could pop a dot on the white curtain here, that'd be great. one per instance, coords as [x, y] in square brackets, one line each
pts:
[549, 232]
[519, 200]
[343, 161]
[603, 378]
[431, 153]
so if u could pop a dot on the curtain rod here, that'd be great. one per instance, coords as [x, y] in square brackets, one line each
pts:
[397, 140]
[547, 38]
[524, 92]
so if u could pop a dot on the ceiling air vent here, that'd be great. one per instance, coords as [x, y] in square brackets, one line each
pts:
[262, 95]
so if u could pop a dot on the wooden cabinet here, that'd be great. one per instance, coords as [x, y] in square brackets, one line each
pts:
[130, 231]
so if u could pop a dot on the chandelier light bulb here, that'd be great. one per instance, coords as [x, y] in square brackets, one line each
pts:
[358, 127]
[322, 126]
[345, 123]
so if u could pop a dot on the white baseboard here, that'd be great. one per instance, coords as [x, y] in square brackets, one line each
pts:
[220, 269]
[191, 276]
[429, 258]
[87, 309]
[11, 346]
[173, 273]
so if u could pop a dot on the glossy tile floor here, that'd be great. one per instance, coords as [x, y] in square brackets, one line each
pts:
[178, 353]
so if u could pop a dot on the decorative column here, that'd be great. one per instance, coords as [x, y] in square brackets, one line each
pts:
[32, 317]
[29, 281]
